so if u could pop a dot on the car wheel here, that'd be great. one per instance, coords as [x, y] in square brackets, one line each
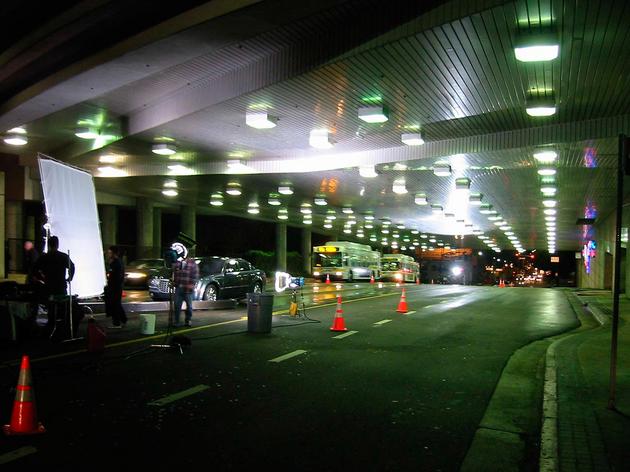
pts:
[211, 293]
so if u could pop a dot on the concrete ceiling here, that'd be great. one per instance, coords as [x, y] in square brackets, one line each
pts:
[446, 69]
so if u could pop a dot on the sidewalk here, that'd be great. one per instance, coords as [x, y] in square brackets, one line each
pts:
[591, 436]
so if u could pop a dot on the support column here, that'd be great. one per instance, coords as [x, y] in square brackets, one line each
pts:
[15, 234]
[157, 230]
[144, 218]
[3, 238]
[109, 225]
[281, 247]
[188, 223]
[306, 251]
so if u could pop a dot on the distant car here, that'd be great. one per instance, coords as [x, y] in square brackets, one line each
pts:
[220, 278]
[138, 272]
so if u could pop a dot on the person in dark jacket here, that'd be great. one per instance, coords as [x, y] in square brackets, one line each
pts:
[114, 289]
[30, 259]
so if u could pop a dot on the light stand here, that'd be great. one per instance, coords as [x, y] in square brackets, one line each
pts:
[171, 313]
[71, 322]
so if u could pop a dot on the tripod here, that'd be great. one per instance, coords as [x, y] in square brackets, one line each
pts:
[168, 342]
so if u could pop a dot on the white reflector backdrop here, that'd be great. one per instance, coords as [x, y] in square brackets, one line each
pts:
[71, 209]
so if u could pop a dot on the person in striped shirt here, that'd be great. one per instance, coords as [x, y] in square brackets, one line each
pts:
[185, 277]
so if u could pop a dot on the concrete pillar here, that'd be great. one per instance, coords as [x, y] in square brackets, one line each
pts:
[144, 219]
[188, 223]
[15, 233]
[306, 251]
[109, 224]
[157, 230]
[281, 247]
[3, 238]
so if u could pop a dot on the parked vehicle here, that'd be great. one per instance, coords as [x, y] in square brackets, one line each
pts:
[343, 260]
[399, 268]
[220, 278]
[138, 272]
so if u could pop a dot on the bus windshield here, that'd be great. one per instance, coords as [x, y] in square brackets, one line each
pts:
[330, 259]
[391, 265]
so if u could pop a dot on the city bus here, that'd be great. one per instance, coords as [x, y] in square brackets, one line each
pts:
[399, 268]
[344, 260]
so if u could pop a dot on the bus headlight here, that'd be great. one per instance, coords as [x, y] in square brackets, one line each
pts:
[316, 273]
[398, 276]
[338, 273]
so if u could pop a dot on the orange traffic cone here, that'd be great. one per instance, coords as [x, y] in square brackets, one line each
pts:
[501, 283]
[24, 417]
[372, 279]
[402, 305]
[338, 322]
[417, 280]
[328, 278]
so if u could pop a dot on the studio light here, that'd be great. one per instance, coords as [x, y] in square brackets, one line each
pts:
[260, 120]
[376, 114]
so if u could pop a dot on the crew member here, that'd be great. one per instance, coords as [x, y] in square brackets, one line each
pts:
[185, 277]
[114, 289]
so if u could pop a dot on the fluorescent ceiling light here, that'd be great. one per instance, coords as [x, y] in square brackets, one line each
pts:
[536, 47]
[369, 217]
[285, 189]
[170, 192]
[399, 187]
[178, 169]
[260, 120]
[368, 171]
[546, 171]
[540, 107]
[375, 114]
[16, 139]
[442, 169]
[505, 228]
[283, 214]
[86, 133]
[164, 149]
[412, 139]
[546, 157]
[495, 217]
[320, 139]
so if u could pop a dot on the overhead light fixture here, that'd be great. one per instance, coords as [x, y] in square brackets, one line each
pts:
[253, 208]
[260, 120]
[540, 106]
[505, 228]
[549, 203]
[179, 169]
[170, 184]
[436, 209]
[234, 189]
[442, 169]
[237, 166]
[15, 139]
[331, 215]
[369, 172]
[376, 114]
[164, 149]
[285, 189]
[548, 190]
[109, 171]
[216, 199]
[449, 216]
[369, 225]
[320, 201]
[385, 230]
[462, 183]
[368, 217]
[475, 199]
[170, 192]
[412, 139]
[399, 186]
[306, 221]
[549, 211]
[306, 209]
[486, 209]
[546, 157]
[546, 171]
[320, 139]
[283, 214]
[274, 199]
[536, 47]
[86, 133]
[347, 230]
[347, 210]
[328, 225]
[17, 130]
[495, 217]
[108, 159]
[550, 218]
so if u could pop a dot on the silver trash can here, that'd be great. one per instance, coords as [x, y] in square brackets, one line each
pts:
[259, 312]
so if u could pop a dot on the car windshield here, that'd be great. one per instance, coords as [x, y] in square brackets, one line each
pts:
[210, 266]
[146, 264]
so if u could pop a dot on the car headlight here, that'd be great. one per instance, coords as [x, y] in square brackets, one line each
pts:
[153, 282]
[135, 275]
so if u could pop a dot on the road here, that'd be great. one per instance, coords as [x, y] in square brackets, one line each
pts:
[402, 392]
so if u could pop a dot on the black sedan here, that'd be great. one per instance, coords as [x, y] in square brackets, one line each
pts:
[220, 278]
[138, 272]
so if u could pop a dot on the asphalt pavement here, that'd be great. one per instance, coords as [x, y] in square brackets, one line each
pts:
[395, 392]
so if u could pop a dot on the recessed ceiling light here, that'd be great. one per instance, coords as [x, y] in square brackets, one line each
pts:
[320, 139]
[164, 149]
[540, 107]
[462, 183]
[376, 114]
[283, 214]
[536, 47]
[550, 218]
[238, 166]
[260, 120]
[170, 192]
[412, 139]
[442, 169]
[15, 139]
[234, 189]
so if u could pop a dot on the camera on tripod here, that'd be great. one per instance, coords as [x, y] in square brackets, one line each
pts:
[285, 281]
